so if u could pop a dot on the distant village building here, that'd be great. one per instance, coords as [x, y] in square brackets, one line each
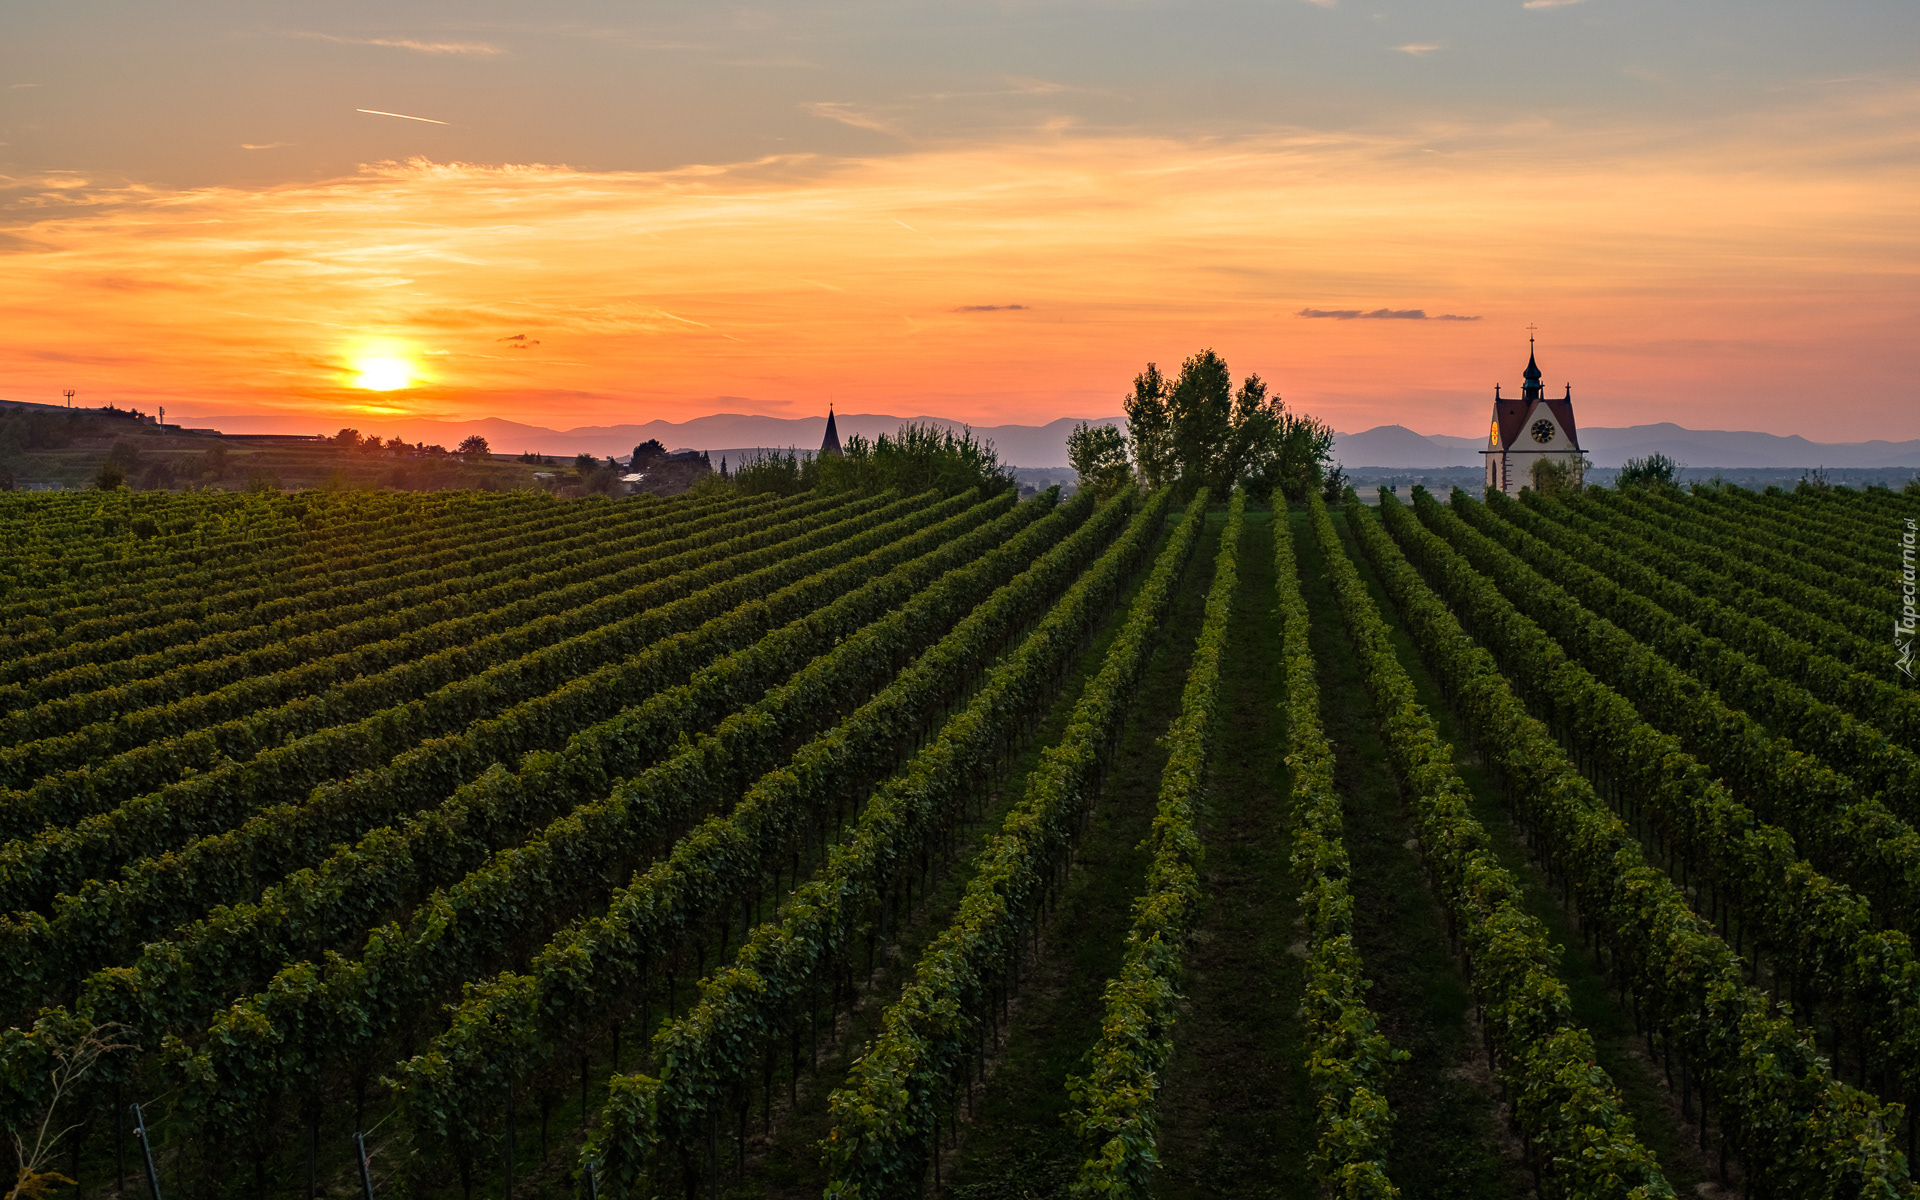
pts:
[831, 443]
[1527, 428]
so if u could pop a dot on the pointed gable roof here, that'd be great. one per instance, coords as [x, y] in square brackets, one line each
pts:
[831, 443]
[1512, 414]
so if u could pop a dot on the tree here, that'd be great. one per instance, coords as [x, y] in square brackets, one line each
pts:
[646, 454]
[474, 449]
[1553, 476]
[1655, 470]
[1099, 455]
[584, 463]
[347, 439]
[1207, 432]
[1150, 430]
[1293, 458]
[913, 459]
[125, 455]
[1200, 409]
[109, 477]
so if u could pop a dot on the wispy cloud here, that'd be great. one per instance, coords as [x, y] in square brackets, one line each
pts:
[519, 341]
[846, 114]
[1718, 237]
[263, 145]
[403, 116]
[1417, 49]
[1379, 314]
[1549, 3]
[17, 86]
[474, 49]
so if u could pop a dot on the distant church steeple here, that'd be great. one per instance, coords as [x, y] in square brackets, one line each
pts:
[1530, 390]
[831, 443]
[1528, 428]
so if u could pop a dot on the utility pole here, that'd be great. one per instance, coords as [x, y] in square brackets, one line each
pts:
[69, 395]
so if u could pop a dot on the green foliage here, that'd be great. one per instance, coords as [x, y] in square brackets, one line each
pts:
[646, 454]
[1199, 430]
[1150, 430]
[311, 1017]
[109, 478]
[1556, 476]
[774, 472]
[1201, 411]
[1285, 452]
[778, 977]
[124, 455]
[1821, 932]
[588, 972]
[1720, 703]
[474, 448]
[1562, 1100]
[915, 458]
[1098, 454]
[1655, 470]
[896, 1094]
[1115, 1118]
[1348, 1059]
[560, 687]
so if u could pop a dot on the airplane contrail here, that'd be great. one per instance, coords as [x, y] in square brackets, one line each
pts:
[404, 117]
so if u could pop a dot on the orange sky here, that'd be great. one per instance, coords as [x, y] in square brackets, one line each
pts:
[1759, 275]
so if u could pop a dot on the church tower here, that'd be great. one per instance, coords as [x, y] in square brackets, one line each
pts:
[1527, 428]
[831, 443]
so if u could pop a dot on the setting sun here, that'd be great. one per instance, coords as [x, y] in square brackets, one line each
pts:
[383, 374]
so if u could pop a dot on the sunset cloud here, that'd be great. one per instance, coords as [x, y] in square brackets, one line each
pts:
[376, 112]
[473, 49]
[1417, 49]
[846, 114]
[1379, 314]
[676, 286]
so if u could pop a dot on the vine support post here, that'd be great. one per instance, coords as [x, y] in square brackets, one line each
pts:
[366, 1166]
[146, 1149]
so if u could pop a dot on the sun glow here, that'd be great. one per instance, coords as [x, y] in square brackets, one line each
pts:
[383, 374]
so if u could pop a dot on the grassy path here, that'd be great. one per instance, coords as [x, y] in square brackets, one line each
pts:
[1236, 1118]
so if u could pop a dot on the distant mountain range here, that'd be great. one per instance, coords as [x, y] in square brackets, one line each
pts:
[1396, 446]
[728, 434]
[1389, 446]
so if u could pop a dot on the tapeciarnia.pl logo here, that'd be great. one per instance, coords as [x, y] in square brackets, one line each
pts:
[1905, 623]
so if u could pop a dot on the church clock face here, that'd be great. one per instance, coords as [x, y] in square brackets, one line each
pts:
[1543, 432]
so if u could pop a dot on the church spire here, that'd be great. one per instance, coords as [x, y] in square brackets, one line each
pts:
[1531, 390]
[831, 443]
